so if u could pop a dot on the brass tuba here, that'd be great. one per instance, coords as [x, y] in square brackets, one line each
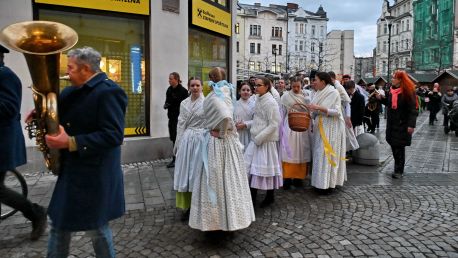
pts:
[42, 42]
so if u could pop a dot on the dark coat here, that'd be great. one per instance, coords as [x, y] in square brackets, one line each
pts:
[398, 120]
[173, 99]
[12, 145]
[434, 104]
[357, 108]
[90, 188]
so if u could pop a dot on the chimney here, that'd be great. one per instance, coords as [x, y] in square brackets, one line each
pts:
[292, 6]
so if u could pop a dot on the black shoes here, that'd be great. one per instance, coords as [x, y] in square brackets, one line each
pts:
[185, 215]
[397, 175]
[287, 183]
[268, 200]
[171, 164]
[39, 224]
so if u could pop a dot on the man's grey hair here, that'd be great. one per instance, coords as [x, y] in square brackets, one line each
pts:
[86, 55]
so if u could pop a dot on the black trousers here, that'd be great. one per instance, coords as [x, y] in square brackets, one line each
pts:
[372, 120]
[399, 155]
[173, 123]
[432, 116]
[17, 201]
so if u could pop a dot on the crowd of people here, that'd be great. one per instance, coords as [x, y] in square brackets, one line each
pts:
[225, 150]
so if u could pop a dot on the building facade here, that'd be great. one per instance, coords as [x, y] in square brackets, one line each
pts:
[138, 53]
[338, 52]
[397, 19]
[261, 38]
[306, 36]
[434, 30]
[364, 67]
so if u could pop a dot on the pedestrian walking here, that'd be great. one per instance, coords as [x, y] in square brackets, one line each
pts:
[401, 118]
[261, 156]
[447, 104]
[188, 145]
[175, 94]
[89, 191]
[434, 104]
[295, 147]
[243, 114]
[12, 147]
[329, 168]
[221, 195]
[357, 107]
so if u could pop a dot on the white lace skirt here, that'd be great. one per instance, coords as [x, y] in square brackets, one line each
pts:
[232, 208]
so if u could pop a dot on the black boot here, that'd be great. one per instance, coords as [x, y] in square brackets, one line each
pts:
[39, 223]
[298, 183]
[269, 199]
[172, 163]
[185, 215]
[254, 193]
[287, 183]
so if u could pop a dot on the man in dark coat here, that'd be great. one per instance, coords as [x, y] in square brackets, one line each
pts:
[356, 104]
[89, 191]
[175, 94]
[12, 147]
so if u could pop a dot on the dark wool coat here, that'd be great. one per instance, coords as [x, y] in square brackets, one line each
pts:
[398, 120]
[12, 145]
[90, 188]
[357, 108]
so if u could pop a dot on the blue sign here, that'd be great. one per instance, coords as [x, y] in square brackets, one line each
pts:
[136, 69]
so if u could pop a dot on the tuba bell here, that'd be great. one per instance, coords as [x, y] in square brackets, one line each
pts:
[42, 42]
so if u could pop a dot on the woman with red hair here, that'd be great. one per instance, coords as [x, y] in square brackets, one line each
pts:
[401, 118]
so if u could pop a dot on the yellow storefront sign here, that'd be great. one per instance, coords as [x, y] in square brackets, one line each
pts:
[210, 17]
[123, 6]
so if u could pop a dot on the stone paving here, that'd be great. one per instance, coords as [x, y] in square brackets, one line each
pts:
[372, 215]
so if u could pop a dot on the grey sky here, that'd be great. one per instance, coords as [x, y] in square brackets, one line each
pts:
[358, 15]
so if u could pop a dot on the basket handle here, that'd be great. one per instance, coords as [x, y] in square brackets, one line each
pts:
[301, 105]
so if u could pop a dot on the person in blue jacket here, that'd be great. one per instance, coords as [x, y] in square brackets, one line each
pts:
[12, 147]
[89, 191]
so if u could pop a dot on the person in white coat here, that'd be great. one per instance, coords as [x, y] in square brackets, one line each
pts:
[188, 143]
[261, 156]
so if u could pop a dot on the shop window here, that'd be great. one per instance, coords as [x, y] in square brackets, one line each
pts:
[121, 42]
[213, 52]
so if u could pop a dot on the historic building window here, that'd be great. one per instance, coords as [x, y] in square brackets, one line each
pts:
[255, 30]
[237, 46]
[259, 48]
[252, 48]
[237, 28]
[277, 32]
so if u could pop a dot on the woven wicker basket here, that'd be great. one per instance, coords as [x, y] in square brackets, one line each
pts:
[299, 121]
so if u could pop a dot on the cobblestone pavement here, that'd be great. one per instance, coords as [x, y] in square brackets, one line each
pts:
[372, 215]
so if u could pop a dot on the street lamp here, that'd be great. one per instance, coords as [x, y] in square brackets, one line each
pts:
[388, 19]
[274, 51]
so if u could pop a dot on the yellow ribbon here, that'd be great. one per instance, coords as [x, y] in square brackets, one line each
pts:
[329, 152]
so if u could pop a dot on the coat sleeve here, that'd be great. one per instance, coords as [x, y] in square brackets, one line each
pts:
[273, 115]
[110, 126]
[9, 97]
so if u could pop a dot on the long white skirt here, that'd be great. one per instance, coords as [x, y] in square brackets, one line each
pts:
[233, 208]
[244, 137]
[188, 160]
[263, 166]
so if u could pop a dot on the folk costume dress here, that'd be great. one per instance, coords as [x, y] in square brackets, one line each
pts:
[188, 149]
[295, 150]
[261, 156]
[221, 198]
[244, 110]
[352, 143]
[329, 167]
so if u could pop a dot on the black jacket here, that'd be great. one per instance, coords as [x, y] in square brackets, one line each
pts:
[357, 108]
[173, 99]
[399, 119]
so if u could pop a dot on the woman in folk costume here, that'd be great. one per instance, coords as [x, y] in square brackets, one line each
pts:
[329, 168]
[243, 114]
[261, 155]
[401, 118]
[295, 150]
[221, 195]
[187, 145]
[352, 143]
